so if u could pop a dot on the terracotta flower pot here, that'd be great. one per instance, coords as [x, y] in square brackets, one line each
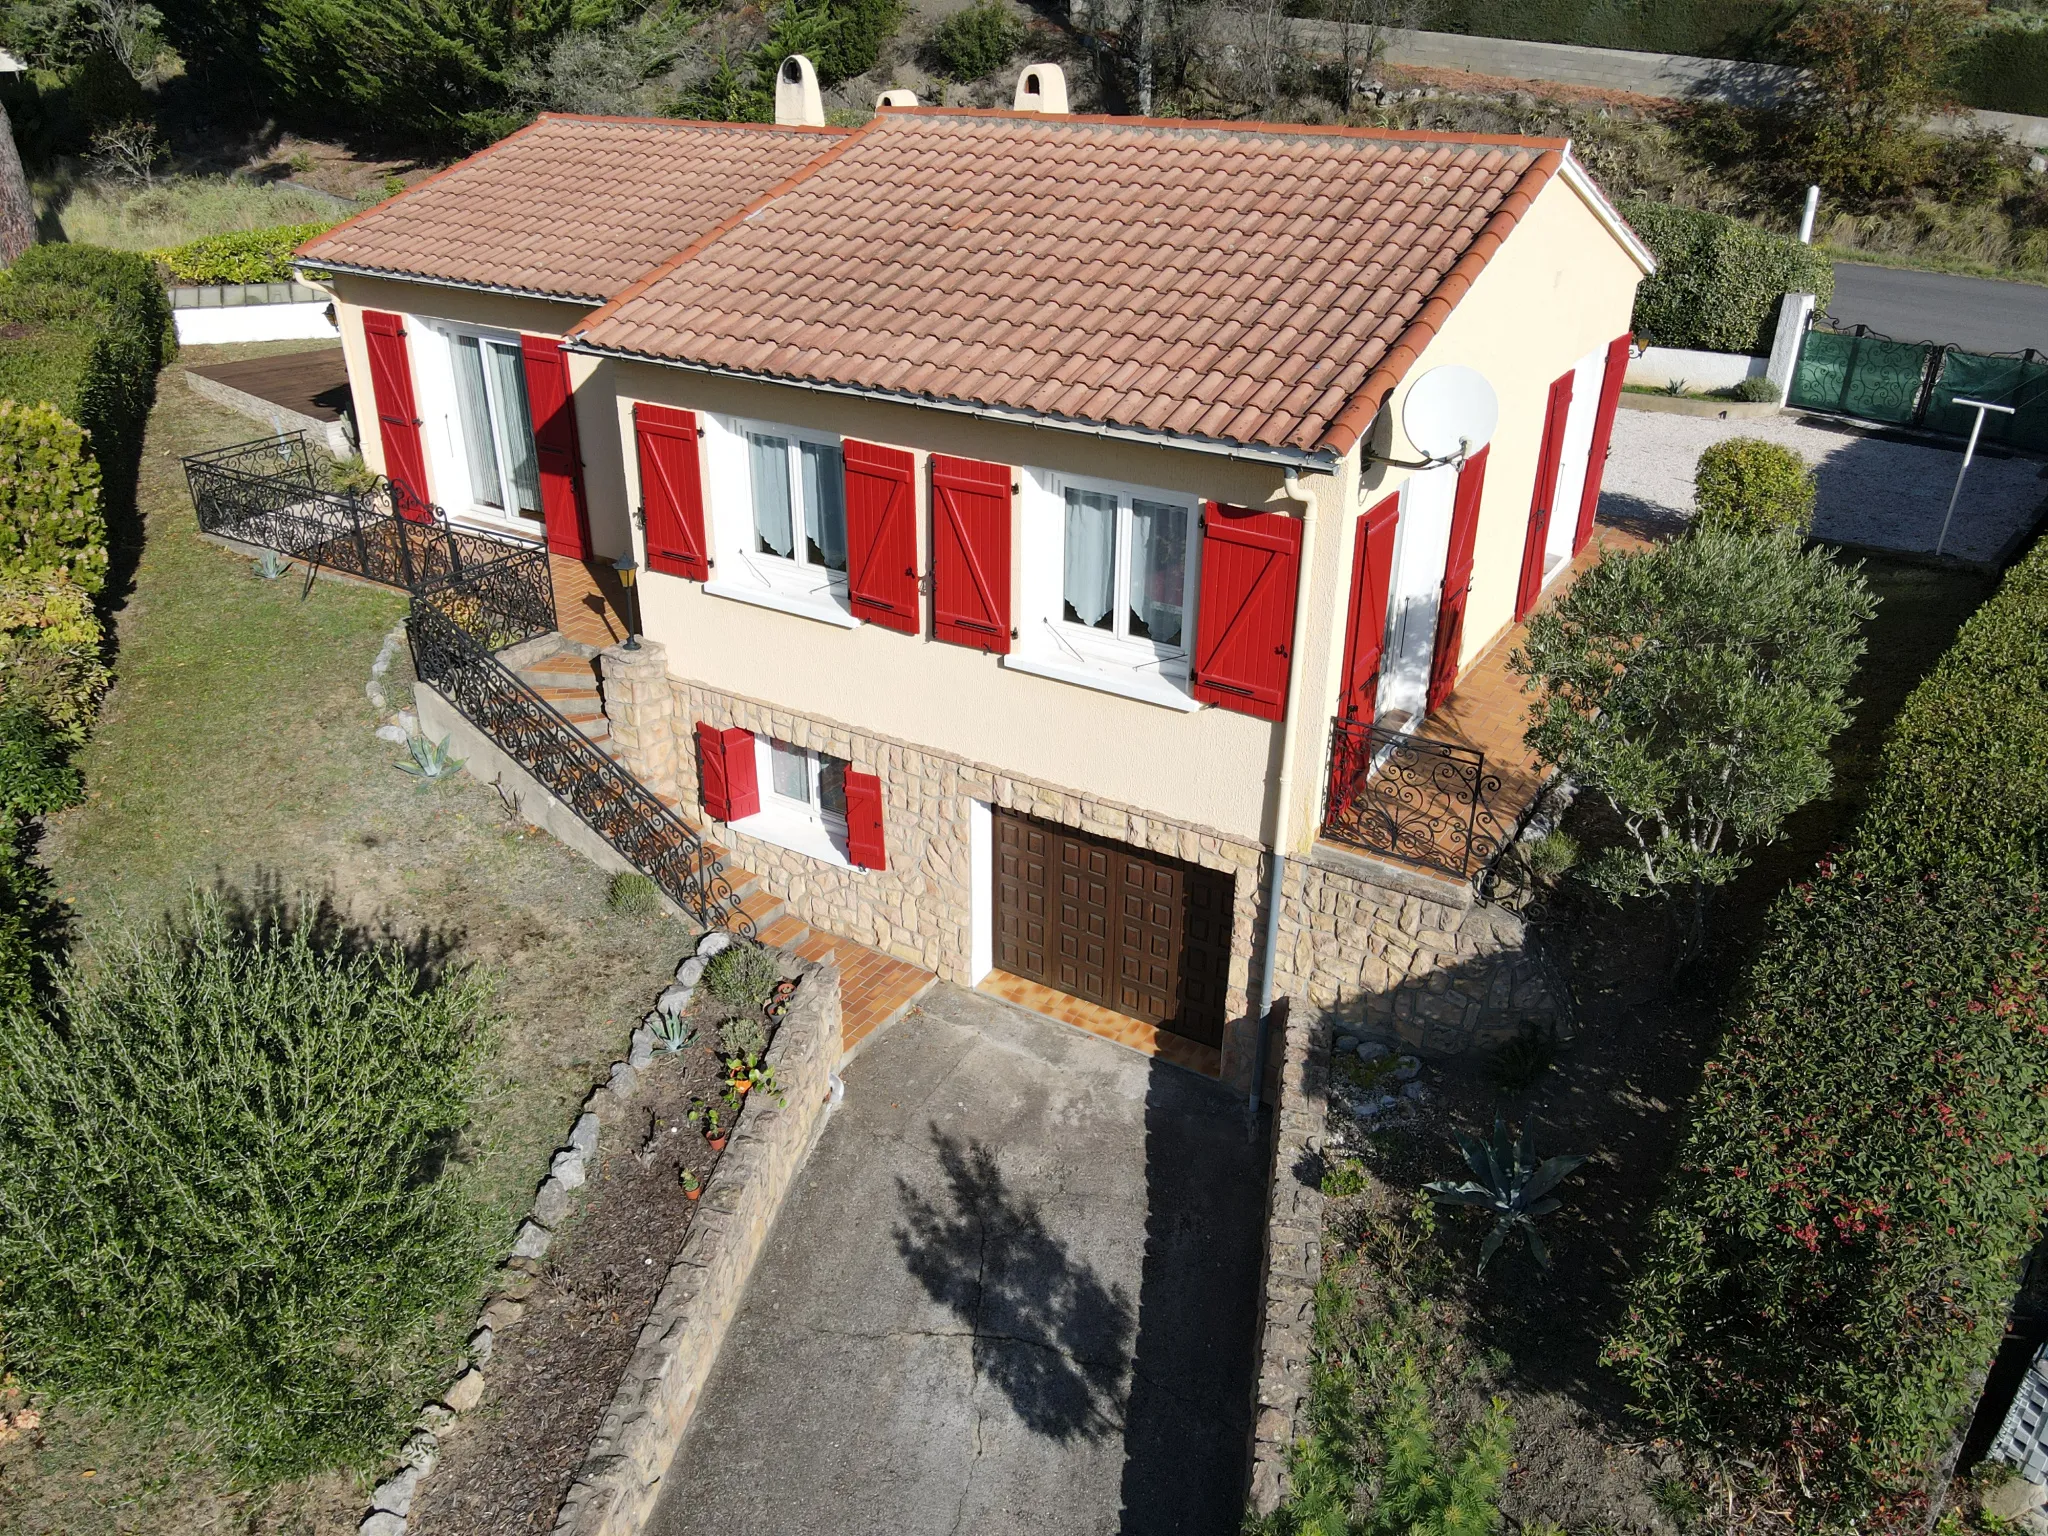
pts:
[694, 1194]
[717, 1143]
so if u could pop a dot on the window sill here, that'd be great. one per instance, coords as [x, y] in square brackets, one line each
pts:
[824, 609]
[798, 834]
[501, 527]
[1127, 683]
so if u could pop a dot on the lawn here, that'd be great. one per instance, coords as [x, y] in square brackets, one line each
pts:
[238, 748]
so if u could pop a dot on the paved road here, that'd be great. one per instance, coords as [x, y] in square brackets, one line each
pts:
[1013, 1290]
[1979, 314]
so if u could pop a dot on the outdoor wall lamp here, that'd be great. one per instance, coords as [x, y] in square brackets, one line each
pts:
[627, 571]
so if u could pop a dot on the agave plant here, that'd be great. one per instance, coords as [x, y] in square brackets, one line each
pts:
[430, 759]
[673, 1033]
[1508, 1181]
[270, 565]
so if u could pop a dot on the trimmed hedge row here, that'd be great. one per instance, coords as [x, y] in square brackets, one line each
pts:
[246, 256]
[87, 330]
[1718, 279]
[1868, 1157]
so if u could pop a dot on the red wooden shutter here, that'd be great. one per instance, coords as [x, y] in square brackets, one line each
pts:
[671, 491]
[1603, 433]
[971, 553]
[553, 408]
[864, 842]
[1372, 574]
[1545, 493]
[1251, 564]
[881, 535]
[725, 772]
[1450, 613]
[398, 416]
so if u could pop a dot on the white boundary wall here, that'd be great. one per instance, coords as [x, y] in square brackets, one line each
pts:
[1658, 367]
[254, 322]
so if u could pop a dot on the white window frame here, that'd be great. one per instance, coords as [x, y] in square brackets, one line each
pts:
[1049, 646]
[442, 401]
[741, 572]
[804, 827]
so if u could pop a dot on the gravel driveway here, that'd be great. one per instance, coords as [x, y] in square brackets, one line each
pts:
[1873, 491]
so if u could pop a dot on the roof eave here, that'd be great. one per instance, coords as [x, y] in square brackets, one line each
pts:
[1581, 181]
[1322, 461]
[307, 265]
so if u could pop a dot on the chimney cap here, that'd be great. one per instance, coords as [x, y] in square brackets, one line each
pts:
[797, 102]
[896, 98]
[1041, 88]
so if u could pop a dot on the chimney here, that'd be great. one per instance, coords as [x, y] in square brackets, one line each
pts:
[896, 99]
[1042, 88]
[797, 103]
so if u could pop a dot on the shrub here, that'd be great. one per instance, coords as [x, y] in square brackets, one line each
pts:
[632, 894]
[855, 44]
[1829, 1273]
[745, 1037]
[742, 974]
[1756, 391]
[974, 43]
[36, 776]
[1718, 279]
[247, 256]
[226, 1190]
[50, 523]
[50, 653]
[1695, 687]
[1750, 486]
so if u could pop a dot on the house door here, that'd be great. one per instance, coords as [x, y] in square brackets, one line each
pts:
[1587, 394]
[1129, 931]
[1422, 545]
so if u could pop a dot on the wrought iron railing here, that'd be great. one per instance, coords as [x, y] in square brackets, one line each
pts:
[448, 657]
[473, 595]
[1428, 803]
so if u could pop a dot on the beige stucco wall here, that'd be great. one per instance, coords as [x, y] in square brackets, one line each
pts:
[1560, 286]
[1209, 768]
[495, 311]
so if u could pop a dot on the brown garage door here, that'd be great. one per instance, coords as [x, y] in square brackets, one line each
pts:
[1147, 936]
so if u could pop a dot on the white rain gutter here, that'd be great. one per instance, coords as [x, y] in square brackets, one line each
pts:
[305, 267]
[1321, 461]
[1283, 793]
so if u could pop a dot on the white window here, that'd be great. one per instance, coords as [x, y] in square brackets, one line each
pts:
[494, 425]
[803, 800]
[1108, 586]
[778, 506]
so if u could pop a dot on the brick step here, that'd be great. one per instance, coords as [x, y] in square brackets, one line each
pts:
[591, 722]
[563, 664]
[559, 694]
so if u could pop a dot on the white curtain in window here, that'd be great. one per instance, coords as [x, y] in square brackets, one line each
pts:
[473, 401]
[1159, 570]
[769, 459]
[825, 505]
[1090, 558]
[515, 423]
[791, 770]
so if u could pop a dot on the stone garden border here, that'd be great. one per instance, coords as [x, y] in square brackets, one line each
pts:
[614, 1489]
[1294, 1250]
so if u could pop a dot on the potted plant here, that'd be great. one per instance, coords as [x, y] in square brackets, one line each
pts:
[691, 1188]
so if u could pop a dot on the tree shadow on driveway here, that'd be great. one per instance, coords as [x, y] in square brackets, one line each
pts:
[1048, 1332]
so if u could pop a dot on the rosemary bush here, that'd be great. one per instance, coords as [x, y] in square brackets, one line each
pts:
[227, 1188]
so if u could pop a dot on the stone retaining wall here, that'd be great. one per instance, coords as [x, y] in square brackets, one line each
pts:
[1294, 1252]
[615, 1488]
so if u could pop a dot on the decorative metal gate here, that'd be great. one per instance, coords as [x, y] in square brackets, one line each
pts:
[1916, 384]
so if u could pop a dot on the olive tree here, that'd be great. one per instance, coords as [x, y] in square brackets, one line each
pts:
[1695, 687]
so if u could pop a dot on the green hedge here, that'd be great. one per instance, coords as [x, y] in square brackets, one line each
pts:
[87, 331]
[2007, 71]
[51, 529]
[1831, 1267]
[247, 256]
[1719, 280]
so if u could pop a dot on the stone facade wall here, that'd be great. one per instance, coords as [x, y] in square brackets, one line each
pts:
[614, 1490]
[1294, 1253]
[1409, 957]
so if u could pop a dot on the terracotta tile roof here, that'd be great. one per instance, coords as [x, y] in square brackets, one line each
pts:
[575, 207]
[1237, 283]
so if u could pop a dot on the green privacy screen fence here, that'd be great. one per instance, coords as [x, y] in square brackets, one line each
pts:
[1916, 384]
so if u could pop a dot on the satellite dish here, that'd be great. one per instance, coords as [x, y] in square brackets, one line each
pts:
[1450, 412]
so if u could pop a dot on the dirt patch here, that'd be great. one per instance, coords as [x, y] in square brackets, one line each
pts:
[505, 1467]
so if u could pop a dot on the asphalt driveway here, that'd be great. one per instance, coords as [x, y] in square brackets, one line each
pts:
[1013, 1289]
[1978, 314]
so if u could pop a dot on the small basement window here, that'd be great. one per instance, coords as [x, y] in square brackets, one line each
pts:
[803, 800]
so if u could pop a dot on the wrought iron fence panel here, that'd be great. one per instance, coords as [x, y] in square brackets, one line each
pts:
[1429, 803]
[605, 797]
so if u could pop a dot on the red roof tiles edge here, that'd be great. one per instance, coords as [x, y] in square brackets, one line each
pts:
[1251, 125]
[1352, 422]
[633, 290]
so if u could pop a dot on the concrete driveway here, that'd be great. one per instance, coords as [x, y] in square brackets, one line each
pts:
[1013, 1289]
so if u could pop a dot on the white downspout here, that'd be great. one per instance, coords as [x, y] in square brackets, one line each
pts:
[1284, 787]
